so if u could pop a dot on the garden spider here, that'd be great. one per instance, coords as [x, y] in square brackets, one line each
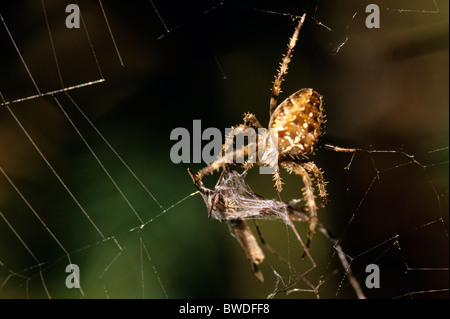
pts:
[297, 122]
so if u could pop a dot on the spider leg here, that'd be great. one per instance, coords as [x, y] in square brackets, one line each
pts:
[340, 149]
[343, 150]
[297, 169]
[197, 182]
[276, 89]
[221, 162]
[311, 167]
[251, 120]
[277, 178]
[227, 157]
[210, 197]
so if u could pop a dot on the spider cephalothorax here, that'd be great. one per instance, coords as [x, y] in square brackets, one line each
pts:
[297, 123]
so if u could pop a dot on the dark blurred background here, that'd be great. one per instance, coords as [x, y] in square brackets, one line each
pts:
[384, 89]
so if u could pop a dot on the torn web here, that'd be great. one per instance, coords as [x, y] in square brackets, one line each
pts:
[85, 172]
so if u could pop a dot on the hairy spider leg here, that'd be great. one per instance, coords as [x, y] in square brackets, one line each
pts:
[276, 89]
[221, 162]
[228, 157]
[320, 181]
[251, 120]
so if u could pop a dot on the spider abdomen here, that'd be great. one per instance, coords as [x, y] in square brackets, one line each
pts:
[298, 122]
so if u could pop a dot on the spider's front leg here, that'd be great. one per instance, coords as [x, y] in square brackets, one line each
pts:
[227, 157]
[209, 198]
[276, 89]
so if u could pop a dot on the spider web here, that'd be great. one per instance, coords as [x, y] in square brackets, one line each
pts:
[86, 115]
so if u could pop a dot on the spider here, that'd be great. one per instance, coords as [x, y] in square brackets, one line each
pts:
[297, 122]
